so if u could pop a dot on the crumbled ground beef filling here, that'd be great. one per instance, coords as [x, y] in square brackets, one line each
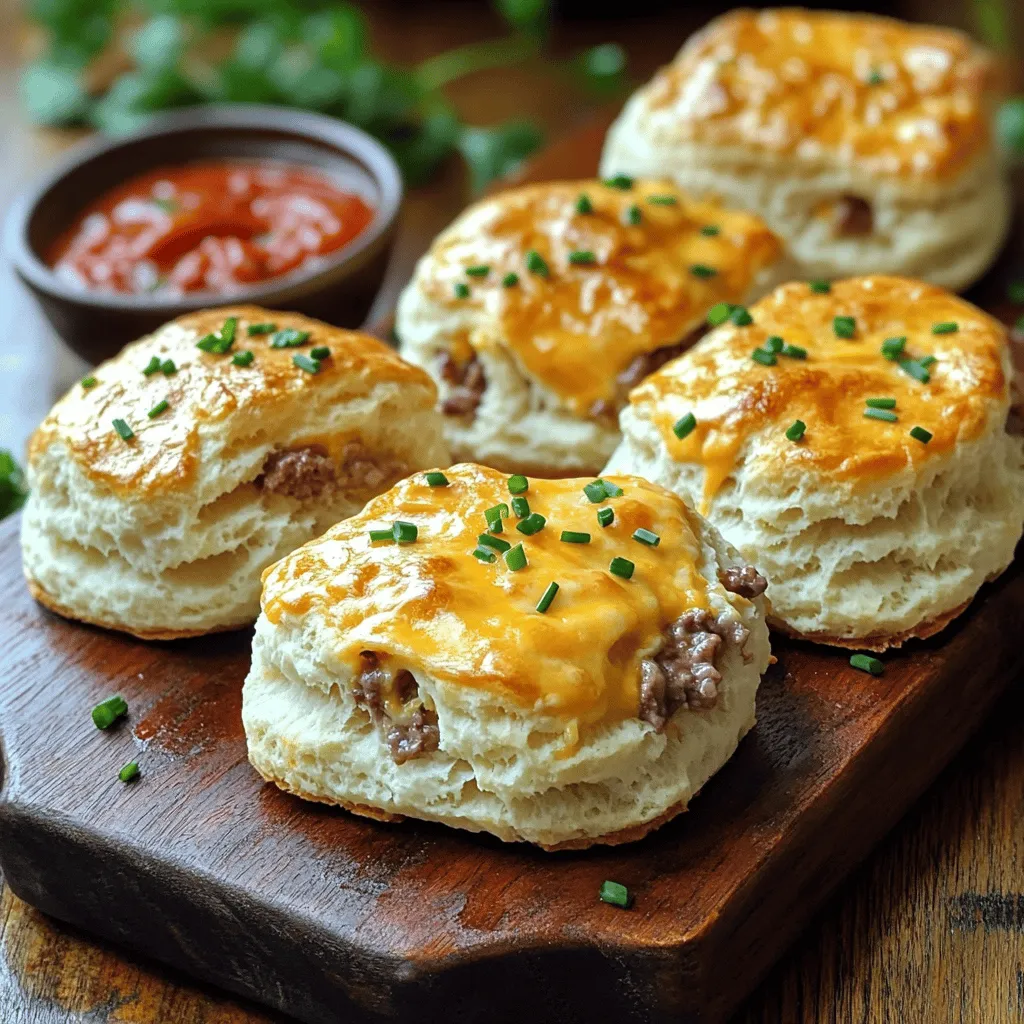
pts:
[744, 580]
[683, 673]
[468, 384]
[364, 470]
[301, 473]
[854, 216]
[407, 739]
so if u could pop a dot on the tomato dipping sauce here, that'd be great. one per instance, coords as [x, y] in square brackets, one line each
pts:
[213, 226]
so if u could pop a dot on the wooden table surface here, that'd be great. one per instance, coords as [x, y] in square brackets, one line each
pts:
[930, 930]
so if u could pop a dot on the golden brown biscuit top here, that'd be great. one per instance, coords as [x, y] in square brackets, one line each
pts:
[437, 609]
[946, 377]
[893, 98]
[204, 387]
[656, 261]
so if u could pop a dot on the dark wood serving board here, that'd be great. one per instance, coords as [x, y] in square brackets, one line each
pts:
[332, 918]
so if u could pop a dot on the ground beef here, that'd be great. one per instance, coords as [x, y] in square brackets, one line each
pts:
[468, 384]
[854, 216]
[364, 470]
[744, 580]
[683, 673]
[405, 740]
[301, 473]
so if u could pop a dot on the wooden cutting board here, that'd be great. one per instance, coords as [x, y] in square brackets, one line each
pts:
[332, 918]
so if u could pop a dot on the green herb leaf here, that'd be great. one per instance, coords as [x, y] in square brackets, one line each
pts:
[52, 95]
[496, 152]
[13, 491]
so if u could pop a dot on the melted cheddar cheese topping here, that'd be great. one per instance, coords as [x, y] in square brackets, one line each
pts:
[206, 388]
[743, 408]
[434, 608]
[892, 98]
[576, 328]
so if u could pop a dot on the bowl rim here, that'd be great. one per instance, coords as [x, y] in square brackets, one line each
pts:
[342, 135]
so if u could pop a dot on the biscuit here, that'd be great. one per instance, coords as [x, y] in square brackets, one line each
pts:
[226, 464]
[865, 143]
[533, 367]
[414, 679]
[903, 493]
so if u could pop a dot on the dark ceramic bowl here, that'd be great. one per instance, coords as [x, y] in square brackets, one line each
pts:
[339, 288]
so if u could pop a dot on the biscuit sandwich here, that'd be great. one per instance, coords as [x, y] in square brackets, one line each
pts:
[864, 142]
[167, 480]
[855, 439]
[560, 662]
[539, 308]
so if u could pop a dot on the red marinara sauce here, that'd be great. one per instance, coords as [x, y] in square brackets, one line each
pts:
[214, 226]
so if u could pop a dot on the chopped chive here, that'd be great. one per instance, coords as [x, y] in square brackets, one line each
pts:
[215, 344]
[633, 215]
[946, 327]
[376, 535]
[774, 344]
[320, 352]
[620, 181]
[153, 366]
[520, 507]
[510, 280]
[123, 430]
[574, 537]
[484, 555]
[606, 516]
[130, 772]
[107, 712]
[662, 200]
[651, 539]
[582, 257]
[405, 533]
[536, 264]
[515, 558]
[583, 204]
[927, 361]
[915, 369]
[495, 514]
[702, 270]
[461, 290]
[167, 368]
[880, 403]
[89, 382]
[844, 326]
[161, 406]
[820, 287]
[621, 567]
[793, 352]
[242, 358]
[303, 362]
[481, 270]
[486, 540]
[920, 434]
[518, 484]
[719, 313]
[227, 332]
[1015, 292]
[876, 77]
[532, 524]
[710, 230]
[867, 664]
[547, 597]
[612, 490]
[255, 329]
[795, 432]
[880, 414]
[617, 895]
[435, 478]
[764, 358]
[595, 491]
[740, 316]
[290, 337]
[684, 425]
[892, 348]
[496, 526]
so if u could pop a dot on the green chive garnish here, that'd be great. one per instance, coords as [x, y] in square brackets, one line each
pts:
[320, 352]
[620, 181]
[520, 507]
[153, 366]
[764, 358]
[548, 596]
[435, 478]
[915, 369]
[515, 558]
[710, 230]
[88, 382]
[880, 414]
[702, 270]
[867, 664]
[684, 425]
[621, 567]
[880, 403]
[595, 491]
[376, 535]
[227, 332]
[820, 287]
[290, 337]
[532, 524]
[662, 200]
[575, 537]
[518, 484]
[927, 361]
[461, 290]
[652, 540]
[795, 432]
[740, 316]
[582, 257]
[107, 712]
[484, 555]
[481, 270]
[303, 362]
[161, 406]
[405, 533]
[494, 515]
[719, 313]
[633, 215]
[123, 430]
[167, 368]
[844, 326]
[216, 344]
[793, 352]
[876, 78]
[892, 348]
[129, 772]
[536, 264]
[510, 280]
[946, 327]
[774, 344]
[486, 540]
[612, 490]
[583, 204]
[606, 516]
[920, 434]
[256, 329]
[617, 895]
[242, 358]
